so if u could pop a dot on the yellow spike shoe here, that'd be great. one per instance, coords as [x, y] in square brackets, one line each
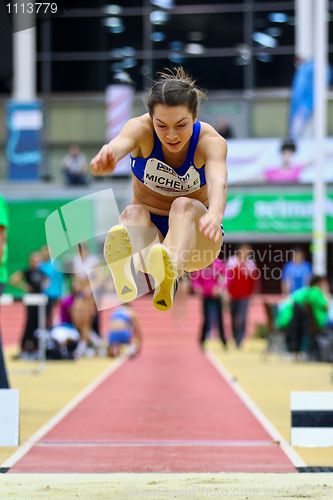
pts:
[162, 269]
[118, 255]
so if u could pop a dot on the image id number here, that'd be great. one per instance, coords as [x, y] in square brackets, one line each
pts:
[32, 8]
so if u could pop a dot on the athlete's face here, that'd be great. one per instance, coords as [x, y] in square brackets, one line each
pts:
[173, 126]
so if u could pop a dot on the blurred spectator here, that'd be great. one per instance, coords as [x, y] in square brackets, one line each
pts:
[225, 129]
[75, 167]
[77, 311]
[62, 342]
[288, 170]
[125, 330]
[209, 283]
[4, 222]
[241, 278]
[295, 318]
[30, 280]
[84, 260]
[54, 287]
[86, 264]
[296, 273]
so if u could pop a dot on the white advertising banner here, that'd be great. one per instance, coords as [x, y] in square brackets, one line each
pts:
[275, 161]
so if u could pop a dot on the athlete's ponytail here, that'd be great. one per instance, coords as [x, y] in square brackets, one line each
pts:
[175, 87]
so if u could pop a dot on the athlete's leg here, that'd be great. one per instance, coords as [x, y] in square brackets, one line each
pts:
[190, 249]
[184, 248]
[143, 234]
[133, 235]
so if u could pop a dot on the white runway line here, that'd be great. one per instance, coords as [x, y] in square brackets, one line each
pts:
[23, 450]
[192, 443]
[264, 421]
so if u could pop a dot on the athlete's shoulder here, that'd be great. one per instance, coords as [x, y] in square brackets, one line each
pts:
[210, 139]
[143, 126]
[144, 122]
[208, 131]
[144, 133]
[138, 124]
[144, 119]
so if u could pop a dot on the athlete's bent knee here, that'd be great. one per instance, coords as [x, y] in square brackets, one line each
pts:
[135, 213]
[183, 204]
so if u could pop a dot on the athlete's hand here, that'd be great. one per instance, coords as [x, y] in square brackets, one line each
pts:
[210, 226]
[104, 162]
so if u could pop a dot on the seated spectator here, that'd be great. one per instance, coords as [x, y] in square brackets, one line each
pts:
[293, 315]
[225, 129]
[62, 342]
[124, 330]
[75, 168]
[30, 280]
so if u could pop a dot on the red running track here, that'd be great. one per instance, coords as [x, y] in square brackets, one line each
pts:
[167, 411]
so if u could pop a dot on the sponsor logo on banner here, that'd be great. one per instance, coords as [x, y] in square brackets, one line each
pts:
[233, 208]
[274, 213]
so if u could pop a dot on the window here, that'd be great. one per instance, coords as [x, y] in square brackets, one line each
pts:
[229, 45]
[199, 31]
[72, 34]
[273, 70]
[125, 31]
[214, 73]
[79, 76]
[275, 29]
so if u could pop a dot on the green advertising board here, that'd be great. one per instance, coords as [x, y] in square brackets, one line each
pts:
[273, 213]
[253, 213]
[27, 228]
[67, 222]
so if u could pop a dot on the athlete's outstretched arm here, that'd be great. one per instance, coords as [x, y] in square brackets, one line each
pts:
[215, 149]
[126, 141]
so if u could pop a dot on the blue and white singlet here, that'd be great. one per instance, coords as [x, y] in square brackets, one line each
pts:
[154, 173]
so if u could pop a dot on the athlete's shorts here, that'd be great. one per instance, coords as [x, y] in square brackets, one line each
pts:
[119, 337]
[162, 223]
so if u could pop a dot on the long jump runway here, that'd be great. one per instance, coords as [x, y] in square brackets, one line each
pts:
[169, 410]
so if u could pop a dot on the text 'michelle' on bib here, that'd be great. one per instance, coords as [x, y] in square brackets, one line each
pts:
[161, 178]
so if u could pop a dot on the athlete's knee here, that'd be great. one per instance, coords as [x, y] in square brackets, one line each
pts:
[135, 213]
[183, 204]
